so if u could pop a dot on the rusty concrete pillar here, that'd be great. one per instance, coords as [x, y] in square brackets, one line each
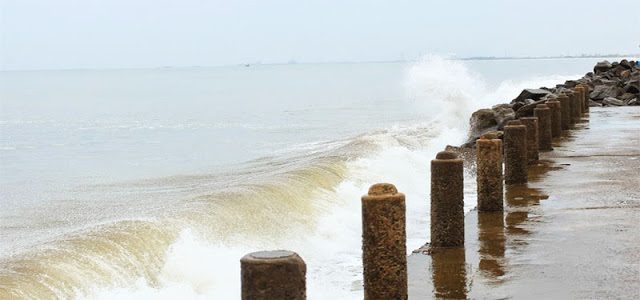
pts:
[572, 104]
[579, 101]
[565, 109]
[384, 249]
[447, 201]
[489, 174]
[556, 117]
[543, 113]
[515, 153]
[575, 107]
[276, 274]
[585, 97]
[532, 138]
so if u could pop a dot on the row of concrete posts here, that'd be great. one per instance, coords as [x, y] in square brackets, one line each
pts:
[281, 274]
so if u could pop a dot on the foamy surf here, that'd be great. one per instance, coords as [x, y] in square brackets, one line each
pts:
[305, 199]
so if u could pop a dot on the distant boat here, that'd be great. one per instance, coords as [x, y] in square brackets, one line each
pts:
[247, 65]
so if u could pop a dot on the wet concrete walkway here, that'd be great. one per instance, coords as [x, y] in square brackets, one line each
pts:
[573, 232]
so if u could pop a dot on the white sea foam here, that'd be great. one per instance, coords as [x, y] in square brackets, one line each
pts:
[197, 269]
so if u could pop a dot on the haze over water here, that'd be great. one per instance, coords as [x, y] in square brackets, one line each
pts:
[152, 183]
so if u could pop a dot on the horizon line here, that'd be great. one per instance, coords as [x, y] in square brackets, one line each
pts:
[293, 62]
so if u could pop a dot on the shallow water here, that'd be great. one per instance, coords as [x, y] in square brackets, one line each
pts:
[153, 183]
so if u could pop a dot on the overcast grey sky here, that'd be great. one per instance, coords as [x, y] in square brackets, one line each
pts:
[47, 34]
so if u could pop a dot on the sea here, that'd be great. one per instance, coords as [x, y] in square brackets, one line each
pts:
[153, 183]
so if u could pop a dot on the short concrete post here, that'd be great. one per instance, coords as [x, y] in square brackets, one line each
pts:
[543, 113]
[384, 249]
[489, 174]
[532, 138]
[276, 274]
[565, 109]
[447, 201]
[515, 153]
[556, 118]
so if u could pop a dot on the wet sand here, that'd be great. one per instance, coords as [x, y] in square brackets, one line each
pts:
[572, 232]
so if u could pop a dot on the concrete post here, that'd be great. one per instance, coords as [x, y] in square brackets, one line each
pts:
[384, 250]
[532, 138]
[489, 174]
[556, 118]
[572, 104]
[276, 274]
[565, 109]
[447, 201]
[585, 97]
[515, 153]
[543, 113]
[575, 107]
[580, 93]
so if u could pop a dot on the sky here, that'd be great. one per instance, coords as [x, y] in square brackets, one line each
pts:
[69, 34]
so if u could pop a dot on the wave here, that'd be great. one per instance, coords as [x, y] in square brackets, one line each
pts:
[305, 199]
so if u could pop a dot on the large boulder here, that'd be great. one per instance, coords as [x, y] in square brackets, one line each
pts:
[487, 120]
[626, 64]
[632, 86]
[481, 121]
[504, 113]
[610, 101]
[602, 67]
[527, 110]
[594, 104]
[534, 94]
[603, 91]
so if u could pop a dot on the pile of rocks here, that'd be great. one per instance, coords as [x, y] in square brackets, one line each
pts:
[610, 84]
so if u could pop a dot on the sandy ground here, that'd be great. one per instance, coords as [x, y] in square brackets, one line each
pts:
[573, 232]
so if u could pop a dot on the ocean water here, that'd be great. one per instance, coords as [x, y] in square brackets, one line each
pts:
[152, 183]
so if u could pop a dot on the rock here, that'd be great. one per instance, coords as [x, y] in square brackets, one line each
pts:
[633, 87]
[604, 91]
[627, 96]
[527, 110]
[570, 83]
[594, 104]
[517, 105]
[602, 67]
[610, 101]
[504, 113]
[487, 120]
[481, 121]
[633, 102]
[494, 134]
[534, 94]
[626, 64]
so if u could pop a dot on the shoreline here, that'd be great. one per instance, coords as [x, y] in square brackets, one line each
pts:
[553, 240]
[550, 240]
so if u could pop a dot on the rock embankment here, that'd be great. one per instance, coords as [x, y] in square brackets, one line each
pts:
[610, 84]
